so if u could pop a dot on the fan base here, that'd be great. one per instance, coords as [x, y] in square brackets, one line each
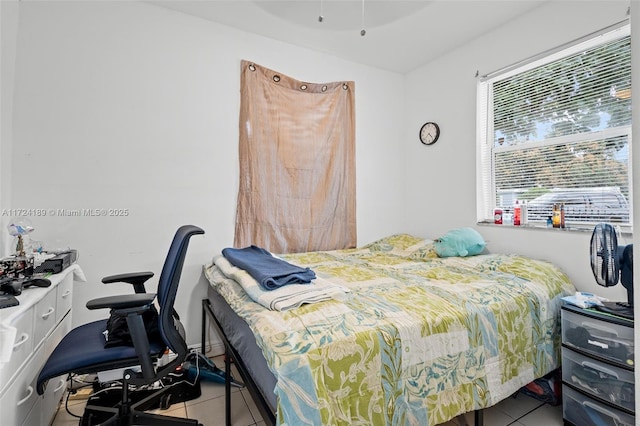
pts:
[621, 309]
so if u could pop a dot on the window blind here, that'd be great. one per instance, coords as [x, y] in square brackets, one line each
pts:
[559, 132]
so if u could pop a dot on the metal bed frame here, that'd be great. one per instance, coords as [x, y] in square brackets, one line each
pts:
[230, 353]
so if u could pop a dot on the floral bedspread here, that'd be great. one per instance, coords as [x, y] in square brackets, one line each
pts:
[418, 339]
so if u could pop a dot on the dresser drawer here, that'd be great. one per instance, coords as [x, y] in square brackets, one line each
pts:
[18, 401]
[45, 316]
[22, 347]
[608, 382]
[64, 297]
[35, 415]
[608, 340]
[582, 410]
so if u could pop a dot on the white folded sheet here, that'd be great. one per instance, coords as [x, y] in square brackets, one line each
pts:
[284, 298]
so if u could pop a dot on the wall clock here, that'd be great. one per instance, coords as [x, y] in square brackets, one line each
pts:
[429, 133]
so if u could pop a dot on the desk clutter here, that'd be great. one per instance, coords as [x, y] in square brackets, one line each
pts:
[17, 266]
[8, 300]
[31, 261]
[54, 263]
[21, 271]
[20, 266]
[14, 286]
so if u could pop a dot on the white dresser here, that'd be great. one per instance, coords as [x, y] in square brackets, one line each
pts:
[28, 334]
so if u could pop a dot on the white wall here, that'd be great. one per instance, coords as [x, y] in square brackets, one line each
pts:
[9, 13]
[441, 181]
[129, 105]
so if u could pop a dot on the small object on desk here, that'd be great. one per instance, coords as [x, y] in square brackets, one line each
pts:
[16, 266]
[38, 282]
[57, 263]
[8, 300]
[11, 286]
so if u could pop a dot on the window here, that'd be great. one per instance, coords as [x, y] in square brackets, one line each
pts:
[557, 130]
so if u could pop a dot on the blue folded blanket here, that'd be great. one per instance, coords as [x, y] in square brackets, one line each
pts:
[269, 271]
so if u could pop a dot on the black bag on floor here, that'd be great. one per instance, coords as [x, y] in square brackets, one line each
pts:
[118, 330]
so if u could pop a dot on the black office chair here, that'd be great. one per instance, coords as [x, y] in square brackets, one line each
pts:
[83, 351]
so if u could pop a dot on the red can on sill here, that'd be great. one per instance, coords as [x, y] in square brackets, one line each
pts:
[497, 216]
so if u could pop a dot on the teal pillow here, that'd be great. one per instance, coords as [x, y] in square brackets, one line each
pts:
[460, 242]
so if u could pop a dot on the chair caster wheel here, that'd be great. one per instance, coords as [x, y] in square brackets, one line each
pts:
[165, 402]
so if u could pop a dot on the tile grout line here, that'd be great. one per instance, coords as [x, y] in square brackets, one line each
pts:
[246, 404]
[525, 414]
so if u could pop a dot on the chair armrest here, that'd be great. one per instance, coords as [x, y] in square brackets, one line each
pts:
[132, 307]
[122, 301]
[137, 279]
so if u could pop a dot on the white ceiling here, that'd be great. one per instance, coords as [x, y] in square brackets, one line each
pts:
[400, 35]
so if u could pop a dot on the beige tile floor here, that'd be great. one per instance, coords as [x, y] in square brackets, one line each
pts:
[209, 410]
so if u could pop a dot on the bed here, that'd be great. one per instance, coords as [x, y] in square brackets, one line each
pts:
[414, 339]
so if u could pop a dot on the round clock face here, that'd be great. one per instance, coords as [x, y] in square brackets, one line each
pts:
[429, 133]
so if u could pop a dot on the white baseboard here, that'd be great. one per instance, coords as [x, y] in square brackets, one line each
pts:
[211, 349]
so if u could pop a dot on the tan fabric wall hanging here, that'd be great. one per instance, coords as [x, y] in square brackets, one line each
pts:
[297, 163]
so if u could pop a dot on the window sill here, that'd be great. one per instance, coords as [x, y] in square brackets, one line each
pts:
[625, 230]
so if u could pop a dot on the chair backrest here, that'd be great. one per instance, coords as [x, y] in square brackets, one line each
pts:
[168, 286]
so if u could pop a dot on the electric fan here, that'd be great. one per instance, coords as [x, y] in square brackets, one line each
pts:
[611, 263]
